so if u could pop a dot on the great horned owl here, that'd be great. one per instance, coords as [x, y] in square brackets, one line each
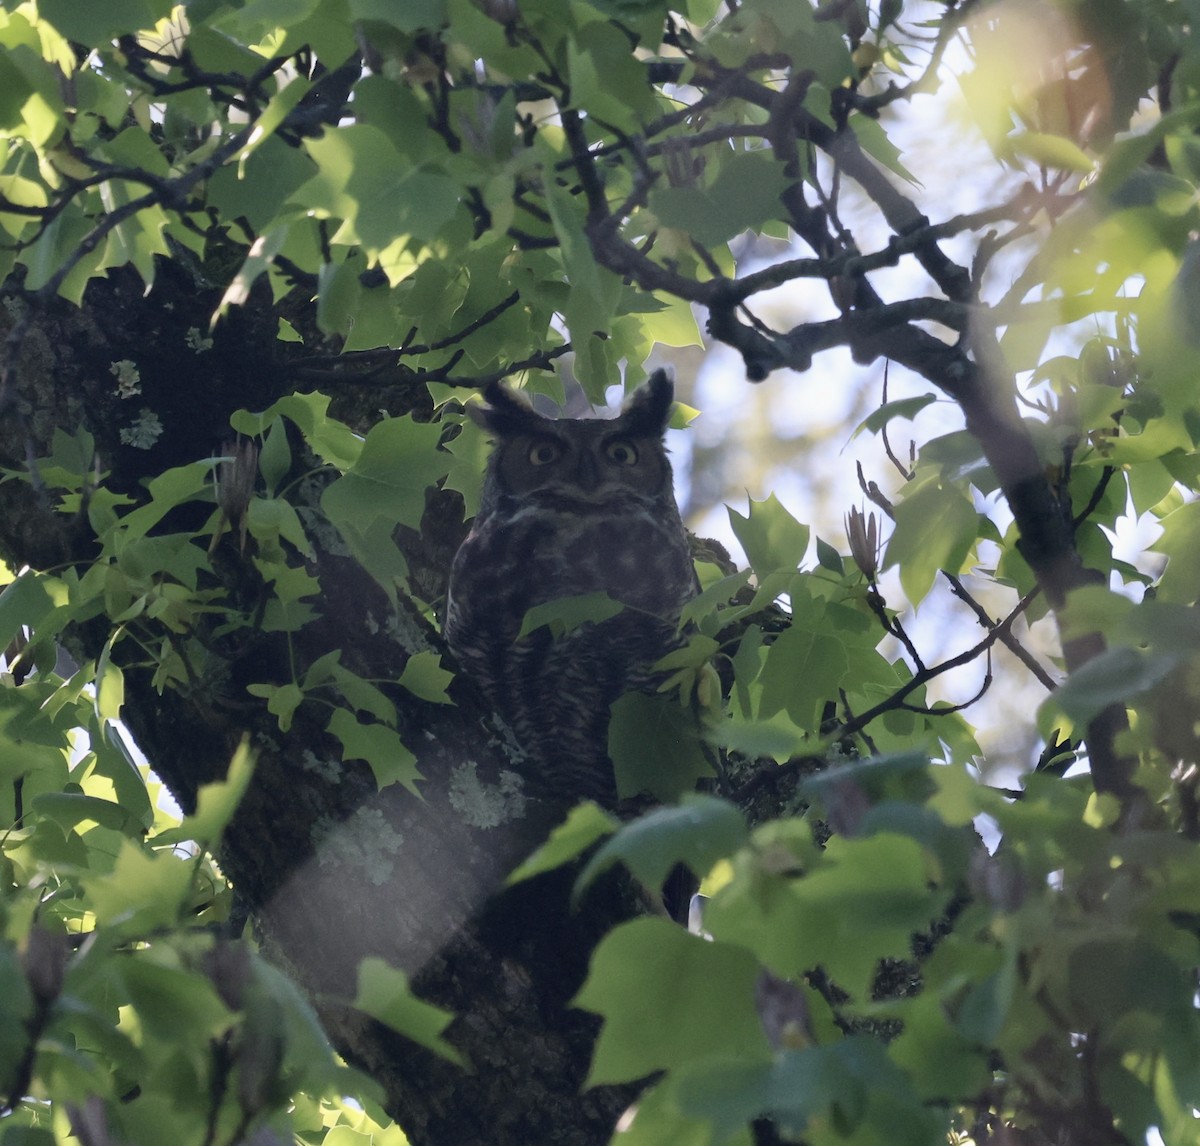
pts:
[570, 507]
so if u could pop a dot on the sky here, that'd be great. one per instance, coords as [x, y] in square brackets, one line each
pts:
[811, 465]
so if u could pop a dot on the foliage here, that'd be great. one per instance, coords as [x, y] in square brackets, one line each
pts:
[428, 197]
[127, 1016]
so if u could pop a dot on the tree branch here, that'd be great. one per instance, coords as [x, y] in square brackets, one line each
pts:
[920, 679]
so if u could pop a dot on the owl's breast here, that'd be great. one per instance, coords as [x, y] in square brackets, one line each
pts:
[513, 562]
[634, 556]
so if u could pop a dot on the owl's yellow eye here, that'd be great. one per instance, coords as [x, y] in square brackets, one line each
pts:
[544, 452]
[623, 452]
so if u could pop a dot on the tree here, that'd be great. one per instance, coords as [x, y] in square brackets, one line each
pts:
[258, 257]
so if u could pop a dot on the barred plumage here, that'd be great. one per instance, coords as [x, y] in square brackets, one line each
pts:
[570, 507]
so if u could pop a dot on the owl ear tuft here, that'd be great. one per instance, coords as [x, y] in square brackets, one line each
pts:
[647, 410]
[503, 411]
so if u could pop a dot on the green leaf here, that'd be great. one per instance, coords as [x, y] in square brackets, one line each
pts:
[1110, 678]
[346, 1136]
[593, 293]
[72, 457]
[217, 52]
[657, 1119]
[384, 994]
[399, 461]
[776, 737]
[169, 1000]
[1180, 543]
[851, 1085]
[1115, 975]
[1098, 609]
[655, 747]
[859, 901]
[709, 600]
[668, 998]
[564, 615]
[424, 677]
[215, 804]
[339, 295]
[20, 192]
[259, 184]
[15, 1135]
[773, 539]
[113, 761]
[97, 24]
[57, 240]
[27, 601]
[411, 16]
[907, 408]
[607, 79]
[470, 452]
[273, 115]
[308, 1055]
[743, 196]
[333, 441]
[282, 700]
[982, 1013]
[960, 458]
[829, 558]
[258, 261]
[1050, 151]
[941, 1061]
[364, 696]
[585, 824]
[70, 809]
[381, 196]
[285, 611]
[133, 147]
[143, 892]
[936, 526]
[675, 325]
[15, 92]
[376, 550]
[804, 668]
[697, 832]
[110, 687]
[167, 490]
[379, 746]
[875, 142]
[270, 519]
[902, 776]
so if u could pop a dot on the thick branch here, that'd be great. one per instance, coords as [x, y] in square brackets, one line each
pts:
[1047, 536]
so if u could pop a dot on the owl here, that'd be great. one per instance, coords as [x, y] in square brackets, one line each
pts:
[570, 507]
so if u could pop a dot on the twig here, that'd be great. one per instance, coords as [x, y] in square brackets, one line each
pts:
[1007, 638]
[892, 625]
[1106, 475]
[905, 472]
[849, 714]
[874, 494]
[925, 710]
[397, 372]
[924, 677]
[951, 21]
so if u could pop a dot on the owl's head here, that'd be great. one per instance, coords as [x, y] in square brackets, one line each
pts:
[579, 461]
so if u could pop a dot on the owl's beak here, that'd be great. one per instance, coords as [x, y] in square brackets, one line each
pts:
[587, 473]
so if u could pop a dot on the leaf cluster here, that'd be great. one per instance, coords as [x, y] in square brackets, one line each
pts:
[435, 196]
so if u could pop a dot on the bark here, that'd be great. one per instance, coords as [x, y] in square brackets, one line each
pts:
[330, 869]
